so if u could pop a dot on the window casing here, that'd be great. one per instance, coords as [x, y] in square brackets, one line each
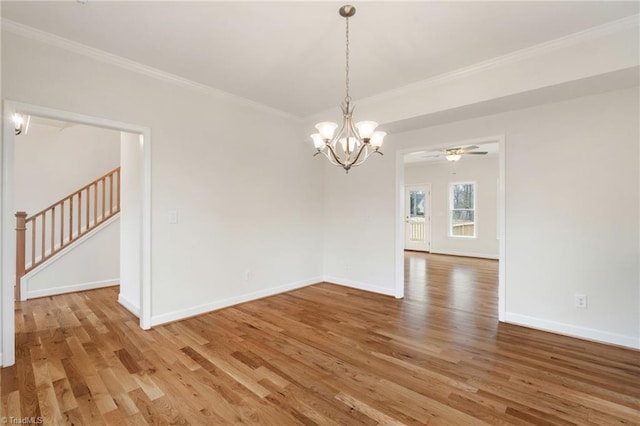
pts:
[462, 210]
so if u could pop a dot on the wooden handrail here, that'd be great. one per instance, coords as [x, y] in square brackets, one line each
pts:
[61, 219]
[106, 175]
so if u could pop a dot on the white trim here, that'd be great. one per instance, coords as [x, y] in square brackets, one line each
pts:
[541, 49]
[502, 229]
[360, 285]
[8, 235]
[573, 330]
[225, 303]
[145, 256]
[24, 281]
[466, 254]
[129, 305]
[400, 226]
[8, 263]
[111, 59]
[73, 288]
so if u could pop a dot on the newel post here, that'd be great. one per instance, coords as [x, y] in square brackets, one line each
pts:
[21, 229]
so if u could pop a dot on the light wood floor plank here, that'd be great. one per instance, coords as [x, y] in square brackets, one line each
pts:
[321, 355]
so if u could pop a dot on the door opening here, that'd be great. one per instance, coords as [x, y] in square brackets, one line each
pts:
[142, 231]
[417, 217]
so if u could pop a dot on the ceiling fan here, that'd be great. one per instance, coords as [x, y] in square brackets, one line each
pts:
[454, 154]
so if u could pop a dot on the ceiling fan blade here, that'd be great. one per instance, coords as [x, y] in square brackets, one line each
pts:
[476, 153]
[470, 147]
[431, 156]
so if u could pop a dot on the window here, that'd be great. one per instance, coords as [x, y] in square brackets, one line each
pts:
[416, 203]
[462, 206]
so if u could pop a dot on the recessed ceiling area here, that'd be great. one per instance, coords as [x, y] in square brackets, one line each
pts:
[290, 55]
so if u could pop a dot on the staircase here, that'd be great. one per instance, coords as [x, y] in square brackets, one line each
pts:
[44, 234]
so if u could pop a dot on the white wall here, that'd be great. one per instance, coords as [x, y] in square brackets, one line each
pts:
[482, 171]
[91, 262]
[130, 214]
[242, 180]
[51, 163]
[572, 199]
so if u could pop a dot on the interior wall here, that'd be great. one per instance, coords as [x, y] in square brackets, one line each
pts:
[52, 162]
[572, 200]
[242, 182]
[482, 171]
[90, 263]
[131, 196]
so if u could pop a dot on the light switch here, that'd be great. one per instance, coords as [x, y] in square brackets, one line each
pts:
[173, 216]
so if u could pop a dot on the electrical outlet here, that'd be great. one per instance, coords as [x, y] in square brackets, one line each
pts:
[581, 301]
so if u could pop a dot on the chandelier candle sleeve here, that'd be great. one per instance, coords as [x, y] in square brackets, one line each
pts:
[351, 145]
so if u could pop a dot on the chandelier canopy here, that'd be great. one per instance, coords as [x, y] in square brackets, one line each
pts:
[352, 144]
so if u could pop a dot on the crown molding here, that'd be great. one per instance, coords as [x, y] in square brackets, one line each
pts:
[111, 59]
[537, 50]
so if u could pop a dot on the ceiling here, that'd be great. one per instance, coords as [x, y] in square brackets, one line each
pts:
[290, 55]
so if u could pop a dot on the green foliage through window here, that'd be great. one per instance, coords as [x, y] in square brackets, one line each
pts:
[462, 208]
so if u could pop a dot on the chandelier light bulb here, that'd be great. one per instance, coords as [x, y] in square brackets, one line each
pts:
[326, 129]
[377, 138]
[317, 140]
[366, 129]
[352, 146]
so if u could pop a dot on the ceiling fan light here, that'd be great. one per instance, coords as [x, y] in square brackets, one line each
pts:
[326, 129]
[453, 157]
[366, 128]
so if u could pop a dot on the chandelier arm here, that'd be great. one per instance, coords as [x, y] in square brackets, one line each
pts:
[353, 129]
[367, 153]
[325, 153]
[335, 157]
[337, 135]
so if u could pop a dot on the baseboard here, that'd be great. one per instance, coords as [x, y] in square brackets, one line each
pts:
[360, 285]
[466, 254]
[128, 305]
[72, 288]
[573, 330]
[225, 303]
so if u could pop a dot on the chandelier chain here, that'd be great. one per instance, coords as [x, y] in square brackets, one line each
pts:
[347, 97]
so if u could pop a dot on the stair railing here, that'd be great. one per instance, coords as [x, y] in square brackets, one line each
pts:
[42, 235]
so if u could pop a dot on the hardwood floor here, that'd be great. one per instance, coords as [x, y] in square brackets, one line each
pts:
[325, 355]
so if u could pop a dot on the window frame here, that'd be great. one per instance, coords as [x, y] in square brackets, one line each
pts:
[475, 209]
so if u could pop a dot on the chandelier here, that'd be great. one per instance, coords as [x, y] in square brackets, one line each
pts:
[351, 145]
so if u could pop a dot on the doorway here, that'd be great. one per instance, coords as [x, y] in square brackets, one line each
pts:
[499, 234]
[7, 233]
[417, 216]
